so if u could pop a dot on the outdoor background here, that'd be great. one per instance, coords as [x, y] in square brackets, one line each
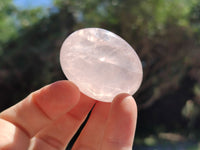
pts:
[164, 33]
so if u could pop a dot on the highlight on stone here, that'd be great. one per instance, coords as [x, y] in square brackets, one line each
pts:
[101, 64]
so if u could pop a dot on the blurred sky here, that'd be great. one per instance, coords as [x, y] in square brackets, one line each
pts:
[26, 4]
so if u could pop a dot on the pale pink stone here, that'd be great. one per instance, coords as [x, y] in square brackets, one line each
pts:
[100, 63]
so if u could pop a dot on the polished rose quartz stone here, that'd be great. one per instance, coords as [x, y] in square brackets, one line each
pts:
[101, 64]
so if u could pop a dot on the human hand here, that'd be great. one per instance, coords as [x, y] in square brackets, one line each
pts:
[48, 118]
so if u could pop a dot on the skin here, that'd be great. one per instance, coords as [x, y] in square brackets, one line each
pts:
[48, 118]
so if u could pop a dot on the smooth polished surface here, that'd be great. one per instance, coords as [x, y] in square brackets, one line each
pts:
[101, 64]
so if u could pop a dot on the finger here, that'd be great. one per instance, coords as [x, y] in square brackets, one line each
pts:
[42, 106]
[120, 128]
[11, 136]
[92, 134]
[59, 133]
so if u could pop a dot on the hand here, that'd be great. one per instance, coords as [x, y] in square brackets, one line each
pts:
[48, 118]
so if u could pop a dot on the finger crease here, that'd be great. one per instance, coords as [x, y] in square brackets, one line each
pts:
[117, 142]
[19, 127]
[40, 109]
[53, 142]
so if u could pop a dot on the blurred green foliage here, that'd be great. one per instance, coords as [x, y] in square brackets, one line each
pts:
[165, 34]
[14, 20]
[7, 24]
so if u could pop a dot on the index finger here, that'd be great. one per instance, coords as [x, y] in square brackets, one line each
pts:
[42, 107]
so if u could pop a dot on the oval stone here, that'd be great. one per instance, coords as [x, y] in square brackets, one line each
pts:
[101, 64]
